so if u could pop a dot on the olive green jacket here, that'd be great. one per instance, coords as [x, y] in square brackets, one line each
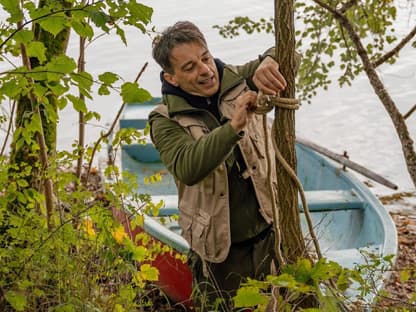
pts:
[194, 147]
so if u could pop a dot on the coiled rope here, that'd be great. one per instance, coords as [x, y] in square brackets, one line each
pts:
[265, 104]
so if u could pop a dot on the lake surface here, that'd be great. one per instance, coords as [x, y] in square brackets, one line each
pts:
[349, 119]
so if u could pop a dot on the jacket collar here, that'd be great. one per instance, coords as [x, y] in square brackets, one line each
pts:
[179, 101]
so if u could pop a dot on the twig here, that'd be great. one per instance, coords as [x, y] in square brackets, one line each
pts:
[9, 128]
[113, 125]
[81, 121]
[396, 49]
[347, 6]
[411, 111]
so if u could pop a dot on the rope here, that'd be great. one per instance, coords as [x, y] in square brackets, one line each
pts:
[265, 104]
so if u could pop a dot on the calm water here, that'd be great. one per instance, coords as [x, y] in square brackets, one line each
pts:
[350, 119]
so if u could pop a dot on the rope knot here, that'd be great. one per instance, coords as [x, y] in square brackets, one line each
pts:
[265, 103]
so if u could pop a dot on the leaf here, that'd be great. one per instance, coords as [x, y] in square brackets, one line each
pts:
[249, 297]
[149, 273]
[12, 7]
[140, 253]
[140, 11]
[119, 234]
[16, 300]
[38, 50]
[130, 92]
[54, 24]
[82, 29]
[59, 66]
[79, 104]
[23, 36]
[108, 78]
[83, 79]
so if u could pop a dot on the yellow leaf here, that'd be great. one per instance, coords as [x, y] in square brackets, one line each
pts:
[88, 227]
[119, 234]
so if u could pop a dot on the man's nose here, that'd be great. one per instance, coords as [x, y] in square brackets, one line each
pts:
[204, 69]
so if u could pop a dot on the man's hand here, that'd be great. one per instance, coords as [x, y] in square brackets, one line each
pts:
[268, 78]
[245, 106]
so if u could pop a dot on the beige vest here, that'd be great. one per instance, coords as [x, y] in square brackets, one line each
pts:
[204, 208]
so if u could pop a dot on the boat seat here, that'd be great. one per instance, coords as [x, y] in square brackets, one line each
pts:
[318, 201]
[328, 200]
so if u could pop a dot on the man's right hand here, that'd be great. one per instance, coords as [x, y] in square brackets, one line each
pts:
[245, 107]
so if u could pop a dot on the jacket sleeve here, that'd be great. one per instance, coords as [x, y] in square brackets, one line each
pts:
[191, 160]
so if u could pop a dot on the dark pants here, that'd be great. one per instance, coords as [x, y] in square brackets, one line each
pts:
[251, 258]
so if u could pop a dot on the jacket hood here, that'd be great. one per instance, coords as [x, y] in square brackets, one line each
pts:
[179, 101]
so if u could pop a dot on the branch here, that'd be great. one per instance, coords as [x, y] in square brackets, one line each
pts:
[9, 129]
[22, 25]
[347, 6]
[396, 49]
[411, 111]
[108, 133]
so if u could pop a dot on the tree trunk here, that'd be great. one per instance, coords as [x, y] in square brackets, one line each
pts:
[292, 239]
[25, 158]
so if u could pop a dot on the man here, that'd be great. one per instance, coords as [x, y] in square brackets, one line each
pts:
[212, 142]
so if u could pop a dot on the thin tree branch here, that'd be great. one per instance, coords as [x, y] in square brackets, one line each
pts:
[22, 25]
[81, 121]
[113, 125]
[396, 49]
[9, 129]
[411, 111]
[347, 6]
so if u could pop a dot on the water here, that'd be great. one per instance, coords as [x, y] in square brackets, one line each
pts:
[350, 119]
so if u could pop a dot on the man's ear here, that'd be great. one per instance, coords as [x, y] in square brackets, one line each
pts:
[171, 79]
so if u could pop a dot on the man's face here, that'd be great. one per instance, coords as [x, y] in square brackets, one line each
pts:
[194, 70]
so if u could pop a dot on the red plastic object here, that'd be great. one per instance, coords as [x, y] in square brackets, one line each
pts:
[175, 277]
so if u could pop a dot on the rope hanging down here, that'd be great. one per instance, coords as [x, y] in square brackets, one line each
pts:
[265, 104]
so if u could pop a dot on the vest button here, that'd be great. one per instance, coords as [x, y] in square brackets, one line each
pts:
[221, 194]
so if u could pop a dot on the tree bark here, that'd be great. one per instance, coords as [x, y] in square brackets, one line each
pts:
[24, 156]
[292, 239]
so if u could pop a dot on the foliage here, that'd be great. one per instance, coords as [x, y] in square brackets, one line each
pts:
[86, 259]
[323, 43]
[337, 288]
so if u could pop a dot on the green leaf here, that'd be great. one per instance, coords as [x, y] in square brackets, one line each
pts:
[249, 297]
[130, 92]
[16, 300]
[140, 11]
[149, 273]
[103, 90]
[140, 253]
[59, 66]
[38, 50]
[54, 24]
[82, 29]
[23, 36]
[79, 105]
[12, 7]
[84, 80]
[108, 78]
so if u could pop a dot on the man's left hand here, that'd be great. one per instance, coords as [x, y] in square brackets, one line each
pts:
[268, 78]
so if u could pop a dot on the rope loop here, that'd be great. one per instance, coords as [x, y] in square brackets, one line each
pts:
[266, 103]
